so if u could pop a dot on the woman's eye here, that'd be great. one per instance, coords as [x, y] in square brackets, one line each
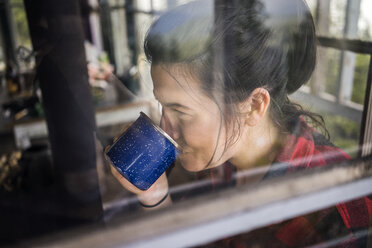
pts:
[181, 114]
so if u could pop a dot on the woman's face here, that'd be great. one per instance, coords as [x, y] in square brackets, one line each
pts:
[190, 117]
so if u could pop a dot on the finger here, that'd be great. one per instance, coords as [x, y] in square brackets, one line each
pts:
[124, 128]
[116, 137]
[105, 155]
[107, 148]
[114, 170]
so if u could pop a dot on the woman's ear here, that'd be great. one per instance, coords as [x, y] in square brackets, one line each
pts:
[256, 106]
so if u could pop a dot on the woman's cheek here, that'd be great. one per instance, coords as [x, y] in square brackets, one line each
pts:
[197, 140]
[187, 128]
[198, 134]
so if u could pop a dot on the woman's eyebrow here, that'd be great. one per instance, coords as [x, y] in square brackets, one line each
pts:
[175, 105]
[170, 104]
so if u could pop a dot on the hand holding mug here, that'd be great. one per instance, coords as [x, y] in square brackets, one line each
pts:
[140, 156]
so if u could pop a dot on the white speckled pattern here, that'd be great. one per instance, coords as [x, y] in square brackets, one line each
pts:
[142, 153]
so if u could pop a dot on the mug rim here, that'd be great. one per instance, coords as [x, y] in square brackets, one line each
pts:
[159, 129]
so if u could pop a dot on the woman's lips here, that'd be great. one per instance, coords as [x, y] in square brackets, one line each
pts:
[185, 151]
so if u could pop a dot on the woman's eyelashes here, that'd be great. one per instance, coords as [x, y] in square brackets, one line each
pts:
[175, 110]
[179, 112]
[183, 115]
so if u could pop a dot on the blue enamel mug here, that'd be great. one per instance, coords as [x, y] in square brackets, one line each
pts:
[143, 152]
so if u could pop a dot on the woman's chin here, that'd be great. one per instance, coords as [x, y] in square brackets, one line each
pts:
[190, 164]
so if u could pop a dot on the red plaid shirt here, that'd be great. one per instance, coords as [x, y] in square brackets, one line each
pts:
[308, 149]
[304, 149]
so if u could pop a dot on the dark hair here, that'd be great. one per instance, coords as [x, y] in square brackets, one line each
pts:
[235, 47]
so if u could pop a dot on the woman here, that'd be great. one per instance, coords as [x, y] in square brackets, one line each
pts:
[222, 73]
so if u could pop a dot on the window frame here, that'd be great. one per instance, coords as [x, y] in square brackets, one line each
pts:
[234, 212]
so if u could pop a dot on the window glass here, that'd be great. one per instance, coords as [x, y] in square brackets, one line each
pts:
[336, 80]
[312, 5]
[21, 33]
[337, 18]
[2, 55]
[336, 83]
[365, 21]
[21, 27]
[139, 107]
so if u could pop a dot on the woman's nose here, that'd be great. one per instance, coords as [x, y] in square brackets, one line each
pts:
[169, 127]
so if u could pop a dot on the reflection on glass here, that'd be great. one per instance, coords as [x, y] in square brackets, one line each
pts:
[340, 19]
[331, 81]
[360, 78]
[337, 18]
[343, 84]
[2, 64]
[21, 34]
[365, 21]
[222, 73]
[20, 21]
[310, 230]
